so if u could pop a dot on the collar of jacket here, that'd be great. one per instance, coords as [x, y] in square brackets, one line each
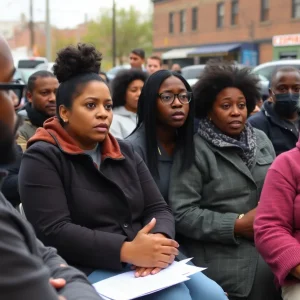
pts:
[230, 155]
[269, 112]
[54, 133]
[35, 117]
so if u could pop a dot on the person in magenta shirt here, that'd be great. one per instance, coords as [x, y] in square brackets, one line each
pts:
[277, 222]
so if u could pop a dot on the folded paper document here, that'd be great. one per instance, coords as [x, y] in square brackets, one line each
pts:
[125, 286]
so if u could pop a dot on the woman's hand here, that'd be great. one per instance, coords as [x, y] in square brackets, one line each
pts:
[296, 272]
[57, 283]
[149, 250]
[244, 226]
[142, 272]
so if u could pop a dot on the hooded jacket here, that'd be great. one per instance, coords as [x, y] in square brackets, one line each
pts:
[277, 222]
[283, 134]
[124, 122]
[85, 212]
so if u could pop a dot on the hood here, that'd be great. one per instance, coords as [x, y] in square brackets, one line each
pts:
[53, 133]
[122, 111]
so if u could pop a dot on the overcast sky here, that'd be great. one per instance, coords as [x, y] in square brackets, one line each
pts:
[64, 13]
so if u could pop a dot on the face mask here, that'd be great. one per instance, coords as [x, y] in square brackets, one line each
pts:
[287, 104]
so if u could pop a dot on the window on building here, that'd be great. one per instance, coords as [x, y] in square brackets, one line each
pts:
[171, 22]
[264, 10]
[194, 18]
[182, 21]
[234, 12]
[220, 15]
[296, 9]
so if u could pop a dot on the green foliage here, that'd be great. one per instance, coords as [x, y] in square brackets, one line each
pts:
[132, 31]
[60, 39]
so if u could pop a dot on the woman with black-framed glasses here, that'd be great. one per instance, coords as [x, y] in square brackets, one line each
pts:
[165, 125]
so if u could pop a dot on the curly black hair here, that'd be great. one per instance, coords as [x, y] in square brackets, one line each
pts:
[121, 82]
[75, 67]
[220, 75]
[75, 60]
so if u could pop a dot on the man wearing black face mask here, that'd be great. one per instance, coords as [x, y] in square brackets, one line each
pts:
[279, 117]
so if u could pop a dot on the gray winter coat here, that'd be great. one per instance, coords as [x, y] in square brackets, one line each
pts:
[206, 201]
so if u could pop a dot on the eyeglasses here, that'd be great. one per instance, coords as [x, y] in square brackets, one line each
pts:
[169, 98]
[17, 88]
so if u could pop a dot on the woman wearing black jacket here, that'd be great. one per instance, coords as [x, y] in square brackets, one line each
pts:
[89, 195]
[165, 126]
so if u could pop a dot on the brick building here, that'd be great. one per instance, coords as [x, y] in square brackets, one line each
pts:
[192, 31]
[60, 37]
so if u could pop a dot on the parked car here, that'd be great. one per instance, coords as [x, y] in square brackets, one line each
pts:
[45, 66]
[192, 73]
[264, 87]
[266, 70]
[27, 66]
[111, 74]
[23, 74]
[31, 63]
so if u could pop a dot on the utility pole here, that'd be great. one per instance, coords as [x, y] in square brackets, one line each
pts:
[114, 46]
[48, 33]
[31, 27]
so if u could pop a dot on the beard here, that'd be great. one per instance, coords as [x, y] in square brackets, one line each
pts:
[7, 145]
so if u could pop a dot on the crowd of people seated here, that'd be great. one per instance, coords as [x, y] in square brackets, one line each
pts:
[145, 170]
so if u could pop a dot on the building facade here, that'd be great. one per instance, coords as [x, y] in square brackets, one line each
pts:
[60, 38]
[7, 28]
[249, 32]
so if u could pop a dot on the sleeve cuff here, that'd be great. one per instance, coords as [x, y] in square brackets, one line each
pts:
[288, 260]
[227, 228]
[167, 231]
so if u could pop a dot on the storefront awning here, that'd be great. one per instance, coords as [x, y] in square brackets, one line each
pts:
[177, 53]
[214, 50]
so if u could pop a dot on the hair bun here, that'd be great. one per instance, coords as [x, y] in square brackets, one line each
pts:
[74, 60]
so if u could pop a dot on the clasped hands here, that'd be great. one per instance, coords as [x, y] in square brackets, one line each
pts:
[149, 253]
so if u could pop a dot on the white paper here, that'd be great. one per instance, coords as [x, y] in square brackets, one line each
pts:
[126, 286]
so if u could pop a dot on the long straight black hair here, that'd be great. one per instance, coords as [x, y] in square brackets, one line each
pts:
[147, 113]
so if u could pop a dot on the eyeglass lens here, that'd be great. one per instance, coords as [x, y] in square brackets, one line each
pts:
[184, 98]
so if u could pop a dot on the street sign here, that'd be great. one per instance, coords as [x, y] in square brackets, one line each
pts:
[286, 40]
